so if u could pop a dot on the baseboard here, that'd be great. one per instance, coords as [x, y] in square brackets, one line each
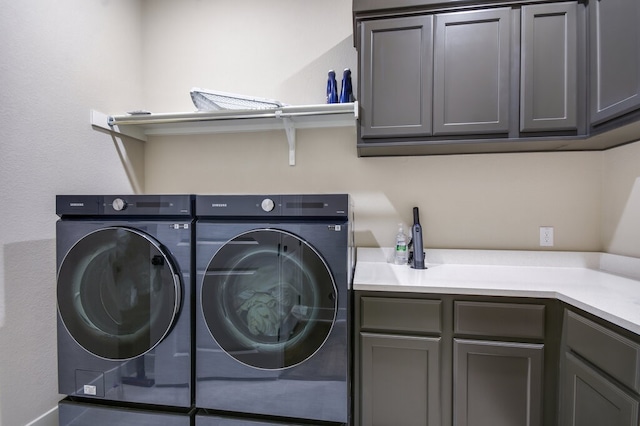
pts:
[50, 418]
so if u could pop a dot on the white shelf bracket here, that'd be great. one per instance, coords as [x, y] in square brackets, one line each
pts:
[290, 130]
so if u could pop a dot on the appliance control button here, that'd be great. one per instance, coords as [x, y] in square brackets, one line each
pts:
[267, 204]
[119, 204]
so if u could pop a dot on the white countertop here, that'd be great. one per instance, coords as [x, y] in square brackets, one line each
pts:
[605, 285]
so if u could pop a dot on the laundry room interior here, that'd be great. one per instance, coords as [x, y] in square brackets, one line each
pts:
[63, 60]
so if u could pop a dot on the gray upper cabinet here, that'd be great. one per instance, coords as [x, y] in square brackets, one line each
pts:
[615, 58]
[548, 69]
[474, 76]
[396, 66]
[471, 76]
[487, 79]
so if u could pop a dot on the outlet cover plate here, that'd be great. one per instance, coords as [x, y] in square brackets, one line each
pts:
[546, 236]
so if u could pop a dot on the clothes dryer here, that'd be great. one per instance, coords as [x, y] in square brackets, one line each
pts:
[273, 294]
[124, 298]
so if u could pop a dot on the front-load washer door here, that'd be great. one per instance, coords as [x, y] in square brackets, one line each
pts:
[118, 293]
[268, 299]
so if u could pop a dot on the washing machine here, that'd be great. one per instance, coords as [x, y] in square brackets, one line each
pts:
[124, 298]
[273, 283]
[75, 413]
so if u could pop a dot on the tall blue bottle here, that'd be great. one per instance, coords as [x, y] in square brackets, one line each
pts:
[332, 88]
[346, 93]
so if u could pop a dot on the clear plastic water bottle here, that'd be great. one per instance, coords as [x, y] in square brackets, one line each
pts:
[401, 256]
[346, 92]
[332, 88]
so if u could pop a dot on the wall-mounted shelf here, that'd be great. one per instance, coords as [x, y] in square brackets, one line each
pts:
[287, 118]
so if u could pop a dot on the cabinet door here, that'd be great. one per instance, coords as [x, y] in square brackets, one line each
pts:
[615, 57]
[472, 72]
[592, 400]
[396, 63]
[497, 383]
[400, 380]
[548, 92]
[602, 347]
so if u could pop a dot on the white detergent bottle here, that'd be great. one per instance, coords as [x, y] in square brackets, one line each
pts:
[401, 256]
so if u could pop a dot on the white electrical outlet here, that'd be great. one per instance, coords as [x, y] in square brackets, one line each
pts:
[546, 236]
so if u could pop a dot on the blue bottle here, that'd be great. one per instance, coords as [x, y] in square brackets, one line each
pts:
[332, 88]
[346, 93]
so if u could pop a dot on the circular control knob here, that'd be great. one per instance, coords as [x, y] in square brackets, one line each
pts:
[267, 204]
[119, 204]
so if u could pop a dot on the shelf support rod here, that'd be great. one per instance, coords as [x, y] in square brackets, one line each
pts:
[103, 122]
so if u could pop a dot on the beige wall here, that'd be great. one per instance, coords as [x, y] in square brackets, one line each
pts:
[496, 201]
[276, 49]
[621, 200]
[59, 59]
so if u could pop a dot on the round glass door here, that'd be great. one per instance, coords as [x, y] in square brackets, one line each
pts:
[269, 299]
[118, 293]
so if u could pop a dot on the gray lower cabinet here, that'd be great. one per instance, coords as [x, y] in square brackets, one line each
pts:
[399, 361]
[424, 360]
[601, 384]
[591, 399]
[449, 361]
[614, 39]
[616, 355]
[497, 383]
[400, 380]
